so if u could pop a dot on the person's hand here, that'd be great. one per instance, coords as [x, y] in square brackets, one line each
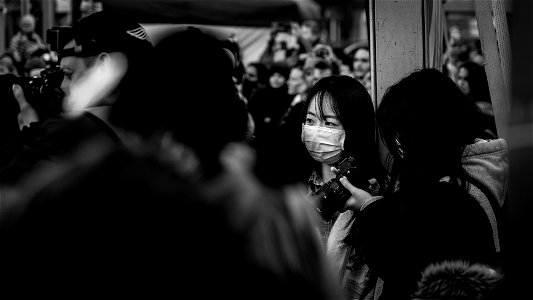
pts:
[27, 114]
[359, 196]
[326, 52]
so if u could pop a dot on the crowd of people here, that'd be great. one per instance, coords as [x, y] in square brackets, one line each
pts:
[155, 177]
[28, 54]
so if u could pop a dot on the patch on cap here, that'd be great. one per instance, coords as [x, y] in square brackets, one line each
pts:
[139, 33]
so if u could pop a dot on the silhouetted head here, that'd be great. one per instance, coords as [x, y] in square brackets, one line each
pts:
[426, 118]
[188, 92]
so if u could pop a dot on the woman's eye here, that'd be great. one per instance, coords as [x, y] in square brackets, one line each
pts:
[309, 121]
[331, 124]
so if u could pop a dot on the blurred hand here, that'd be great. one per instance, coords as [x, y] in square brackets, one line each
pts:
[238, 158]
[325, 51]
[27, 114]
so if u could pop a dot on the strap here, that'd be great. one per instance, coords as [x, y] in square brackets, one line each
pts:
[490, 205]
[494, 35]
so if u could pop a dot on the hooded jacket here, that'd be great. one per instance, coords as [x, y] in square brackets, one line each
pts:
[487, 164]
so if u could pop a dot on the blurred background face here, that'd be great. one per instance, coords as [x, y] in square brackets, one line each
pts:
[27, 24]
[345, 70]
[361, 63]
[457, 47]
[307, 34]
[321, 73]
[315, 74]
[251, 74]
[4, 69]
[296, 81]
[462, 82]
[276, 80]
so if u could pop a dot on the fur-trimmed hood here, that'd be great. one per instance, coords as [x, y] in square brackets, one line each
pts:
[458, 280]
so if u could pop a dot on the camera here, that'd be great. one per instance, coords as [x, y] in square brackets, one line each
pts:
[44, 93]
[332, 195]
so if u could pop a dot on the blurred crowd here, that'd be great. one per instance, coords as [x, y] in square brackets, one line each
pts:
[27, 54]
[127, 169]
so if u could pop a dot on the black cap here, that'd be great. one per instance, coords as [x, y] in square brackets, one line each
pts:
[105, 32]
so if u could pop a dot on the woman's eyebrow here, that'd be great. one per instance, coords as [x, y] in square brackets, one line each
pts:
[311, 113]
[330, 117]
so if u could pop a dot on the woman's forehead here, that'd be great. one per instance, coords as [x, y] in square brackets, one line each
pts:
[322, 105]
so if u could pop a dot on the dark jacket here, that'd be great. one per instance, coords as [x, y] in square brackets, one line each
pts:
[405, 232]
[48, 141]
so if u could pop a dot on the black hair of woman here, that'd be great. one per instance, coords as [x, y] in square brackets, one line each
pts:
[424, 119]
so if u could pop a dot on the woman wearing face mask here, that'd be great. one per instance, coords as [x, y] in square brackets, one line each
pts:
[339, 122]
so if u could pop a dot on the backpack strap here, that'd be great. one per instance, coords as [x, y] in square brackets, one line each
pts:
[490, 205]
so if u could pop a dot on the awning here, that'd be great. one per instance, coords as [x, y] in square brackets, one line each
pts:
[251, 13]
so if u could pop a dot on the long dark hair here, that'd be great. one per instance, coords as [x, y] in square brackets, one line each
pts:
[425, 120]
[354, 108]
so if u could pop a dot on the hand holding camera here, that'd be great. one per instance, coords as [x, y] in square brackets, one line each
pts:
[349, 188]
[358, 196]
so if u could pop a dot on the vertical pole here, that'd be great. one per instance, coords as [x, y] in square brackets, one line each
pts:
[24, 7]
[2, 26]
[399, 41]
[434, 33]
[372, 45]
[504, 45]
[499, 92]
[48, 16]
[519, 208]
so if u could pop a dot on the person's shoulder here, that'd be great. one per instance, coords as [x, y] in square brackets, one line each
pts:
[67, 129]
[16, 37]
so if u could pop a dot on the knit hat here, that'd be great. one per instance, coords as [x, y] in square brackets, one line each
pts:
[105, 32]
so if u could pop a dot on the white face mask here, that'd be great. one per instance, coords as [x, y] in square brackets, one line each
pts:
[324, 144]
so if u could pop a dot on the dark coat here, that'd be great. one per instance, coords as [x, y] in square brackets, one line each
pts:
[48, 141]
[404, 233]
